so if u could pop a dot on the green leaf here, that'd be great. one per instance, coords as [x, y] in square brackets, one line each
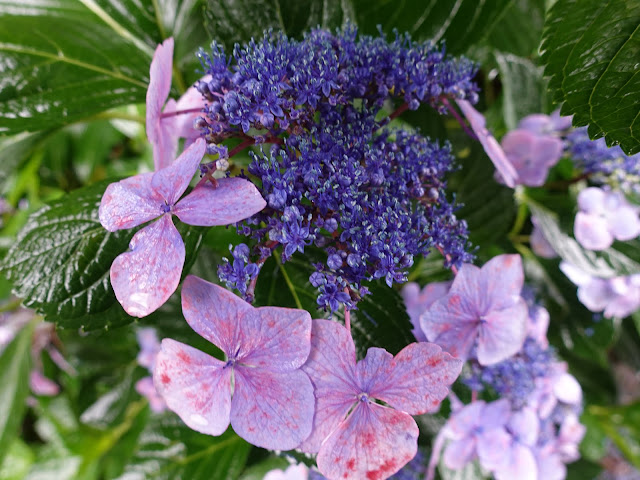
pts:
[231, 21]
[518, 31]
[60, 262]
[606, 263]
[67, 60]
[15, 366]
[167, 449]
[17, 461]
[622, 425]
[461, 23]
[590, 49]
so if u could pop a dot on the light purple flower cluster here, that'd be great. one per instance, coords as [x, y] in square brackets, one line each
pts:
[371, 197]
[149, 348]
[615, 297]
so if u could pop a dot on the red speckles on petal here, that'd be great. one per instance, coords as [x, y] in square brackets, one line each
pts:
[184, 357]
[388, 468]
[164, 378]
[351, 464]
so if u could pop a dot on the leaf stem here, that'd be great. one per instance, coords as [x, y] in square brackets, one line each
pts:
[287, 280]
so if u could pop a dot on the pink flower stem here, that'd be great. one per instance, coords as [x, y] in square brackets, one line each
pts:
[238, 148]
[460, 120]
[271, 244]
[454, 269]
[399, 111]
[347, 319]
[180, 112]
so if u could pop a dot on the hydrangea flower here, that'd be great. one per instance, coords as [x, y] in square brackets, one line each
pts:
[293, 472]
[145, 277]
[354, 435]
[259, 388]
[531, 155]
[165, 126]
[603, 217]
[539, 243]
[489, 143]
[417, 301]
[615, 297]
[542, 124]
[483, 305]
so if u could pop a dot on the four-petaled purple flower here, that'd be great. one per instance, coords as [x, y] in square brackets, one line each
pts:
[356, 436]
[145, 277]
[259, 388]
[483, 304]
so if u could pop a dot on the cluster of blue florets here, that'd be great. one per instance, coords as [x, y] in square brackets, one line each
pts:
[514, 378]
[605, 165]
[337, 177]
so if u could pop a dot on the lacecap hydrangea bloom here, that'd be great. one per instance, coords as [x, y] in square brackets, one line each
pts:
[336, 176]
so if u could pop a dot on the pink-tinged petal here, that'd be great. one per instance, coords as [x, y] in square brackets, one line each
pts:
[146, 276]
[577, 276]
[463, 422]
[214, 313]
[540, 245]
[550, 465]
[331, 368]
[451, 323]
[591, 200]
[41, 385]
[537, 123]
[374, 371]
[271, 409]
[373, 443]
[147, 389]
[294, 472]
[493, 444]
[165, 143]
[172, 181]
[524, 426]
[596, 295]
[501, 281]
[417, 379]
[276, 338]
[502, 334]
[234, 199]
[567, 389]
[459, 452]
[194, 385]
[591, 231]
[417, 301]
[548, 151]
[624, 223]
[520, 464]
[129, 203]
[489, 143]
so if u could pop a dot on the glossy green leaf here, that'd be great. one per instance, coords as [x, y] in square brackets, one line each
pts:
[590, 49]
[461, 23]
[231, 21]
[15, 366]
[606, 263]
[17, 461]
[518, 31]
[167, 449]
[60, 262]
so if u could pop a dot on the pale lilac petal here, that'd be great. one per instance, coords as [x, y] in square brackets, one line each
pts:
[452, 324]
[214, 313]
[417, 301]
[191, 99]
[596, 295]
[129, 203]
[331, 368]
[293, 472]
[234, 199]
[591, 200]
[624, 223]
[147, 389]
[501, 281]
[417, 378]
[573, 273]
[165, 145]
[374, 371]
[276, 338]
[591, 231]
[567, 389]
[463, 422]
[270, 409]
[550, 465]
[495, 414]
[146, 276]
[502, 334]
[374, 442]
[548, 151]
[172, 181]
[489, 143]
[537, 123]
[521, 465]
[161, 131]
[459, 452]
[195, 385]
[493, 445]
[41, 385]
[540, 245]
[524, 426]
[149, 347]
